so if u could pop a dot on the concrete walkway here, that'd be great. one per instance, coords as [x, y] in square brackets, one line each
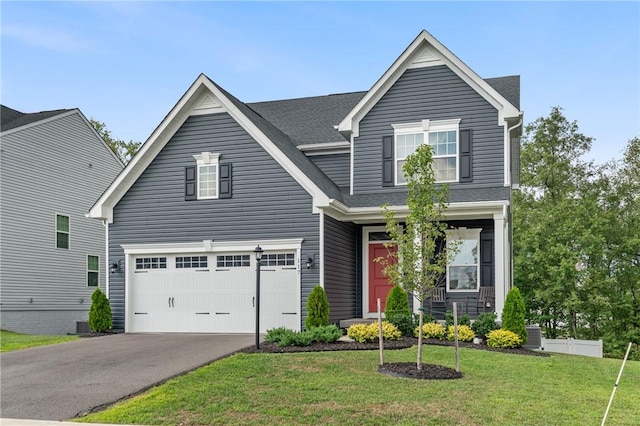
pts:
[60, 382]
[21, 422]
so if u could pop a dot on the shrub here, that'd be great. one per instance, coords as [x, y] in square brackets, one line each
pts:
[274, 335]
[465, 333]
[503, 339]
[425, 319]
[404, 322]
[317, 308]
[513, 314]
[100, 312]
[462, 320]
[397, 303]
[485, 323]
[325, 334]
[296, 338]
[431, 330]
[369, 332]
[465, 320]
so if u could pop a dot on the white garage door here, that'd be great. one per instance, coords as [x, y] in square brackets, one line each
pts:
[212, 293]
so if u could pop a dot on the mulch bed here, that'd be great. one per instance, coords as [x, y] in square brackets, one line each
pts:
[408, 370]
[403, 343]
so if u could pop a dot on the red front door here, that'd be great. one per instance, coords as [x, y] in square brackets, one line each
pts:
[379, 285]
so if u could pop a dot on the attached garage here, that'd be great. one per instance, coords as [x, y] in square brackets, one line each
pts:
[210, 288]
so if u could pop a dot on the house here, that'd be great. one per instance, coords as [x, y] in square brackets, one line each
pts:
[53, 166]
[304, 179]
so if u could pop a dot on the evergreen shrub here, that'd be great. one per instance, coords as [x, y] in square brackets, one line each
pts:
[513, 314]
[100, 312]
[317, 308]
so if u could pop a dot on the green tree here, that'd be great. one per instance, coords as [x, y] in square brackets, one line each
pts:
[317, 308]
[419, 261]
[397, 302]
[513, 314]
[124, 150]
[100, 312]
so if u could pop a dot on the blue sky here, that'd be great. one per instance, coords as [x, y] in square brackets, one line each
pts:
[127, 64]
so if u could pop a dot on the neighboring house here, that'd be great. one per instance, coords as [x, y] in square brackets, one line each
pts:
[305, 179]
[53, 166]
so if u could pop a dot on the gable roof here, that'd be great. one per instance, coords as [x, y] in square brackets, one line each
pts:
[12, 119]
[205, 96]
[508, 86]
[425, 50]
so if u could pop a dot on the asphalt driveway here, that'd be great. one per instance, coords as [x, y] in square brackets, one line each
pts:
[58, 382]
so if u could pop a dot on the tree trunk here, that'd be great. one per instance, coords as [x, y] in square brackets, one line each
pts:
[420, 315]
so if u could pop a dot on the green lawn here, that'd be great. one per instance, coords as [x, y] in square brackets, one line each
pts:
[345, 388]
[10, 341]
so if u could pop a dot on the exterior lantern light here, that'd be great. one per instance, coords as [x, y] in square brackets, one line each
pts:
[258, 252]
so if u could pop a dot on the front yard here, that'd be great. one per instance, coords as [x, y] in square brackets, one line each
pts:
[10, 341]
[345, 388]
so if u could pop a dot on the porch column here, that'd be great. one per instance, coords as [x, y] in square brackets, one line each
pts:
[502, 261]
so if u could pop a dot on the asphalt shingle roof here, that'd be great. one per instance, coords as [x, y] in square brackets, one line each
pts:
[309, 120]
[508, 87]
[11, 118]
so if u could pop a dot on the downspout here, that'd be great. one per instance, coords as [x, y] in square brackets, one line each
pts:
[510, 211]
[107, 268]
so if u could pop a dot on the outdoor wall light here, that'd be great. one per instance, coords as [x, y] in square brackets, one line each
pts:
[309, 261]
[116, 266]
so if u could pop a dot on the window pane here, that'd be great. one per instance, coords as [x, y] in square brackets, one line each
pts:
[93, 263]
[400, 171]
[62, 240]
[467, 253]
[62, 223]
[463, 277]
[445, 169]
[92, 279]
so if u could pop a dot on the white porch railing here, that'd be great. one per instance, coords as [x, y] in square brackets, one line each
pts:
[592, 348]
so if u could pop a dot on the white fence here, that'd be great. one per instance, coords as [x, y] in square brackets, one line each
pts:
[592, 348]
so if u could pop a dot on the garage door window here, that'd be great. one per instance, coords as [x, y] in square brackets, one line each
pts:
[234, 261]
[151, 263]
[280, 259]
[191, 262]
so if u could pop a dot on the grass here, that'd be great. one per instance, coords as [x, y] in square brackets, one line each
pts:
[345, 388]
[10, 341]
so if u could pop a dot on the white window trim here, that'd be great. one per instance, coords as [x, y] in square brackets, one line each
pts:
[425, 127]
[465, 234]
[207, 159]
[93, 270]
[55, 241]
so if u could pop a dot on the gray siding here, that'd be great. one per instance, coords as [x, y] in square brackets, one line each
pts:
[267, 202]
[340, 268]
[434, 93]
[335, 166]
[60, 166]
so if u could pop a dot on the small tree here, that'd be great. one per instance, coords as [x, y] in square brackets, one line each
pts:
[100, 312]
[513, 314]
[317, 308]
[420, 260]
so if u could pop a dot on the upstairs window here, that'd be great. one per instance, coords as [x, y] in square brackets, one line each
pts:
[62, 231]
[207, 176]
[441, 135]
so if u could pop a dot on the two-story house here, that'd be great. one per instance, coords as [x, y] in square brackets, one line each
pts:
[53, 166]
[304, 179]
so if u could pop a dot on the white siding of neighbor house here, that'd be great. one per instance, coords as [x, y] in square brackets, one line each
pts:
[54, 167]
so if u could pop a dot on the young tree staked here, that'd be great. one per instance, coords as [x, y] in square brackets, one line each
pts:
[420, 261]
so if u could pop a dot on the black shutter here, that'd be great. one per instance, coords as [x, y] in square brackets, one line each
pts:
[225, 181]
[466, 148]
[387, 161]
[486, 262]
[190, 183]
